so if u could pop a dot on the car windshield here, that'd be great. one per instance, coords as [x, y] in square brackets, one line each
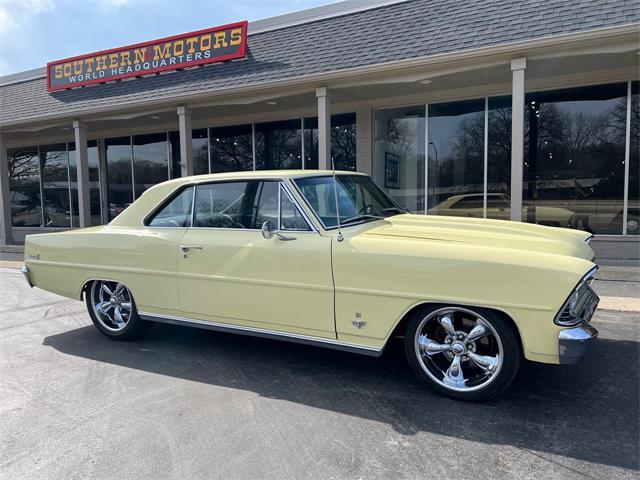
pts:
[359, 199]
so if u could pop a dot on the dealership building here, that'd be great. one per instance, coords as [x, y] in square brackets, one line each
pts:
[517, 110]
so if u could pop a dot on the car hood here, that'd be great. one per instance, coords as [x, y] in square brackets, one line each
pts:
[485, 232]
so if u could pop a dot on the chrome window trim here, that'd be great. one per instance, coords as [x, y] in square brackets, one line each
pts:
[264, 333]
[281, 185]
[297, 205]
[297, 188]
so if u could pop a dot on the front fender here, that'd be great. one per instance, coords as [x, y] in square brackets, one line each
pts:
[380, 279]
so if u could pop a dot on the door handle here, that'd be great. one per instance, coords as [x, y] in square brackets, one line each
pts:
[284, 238]
[187, 248]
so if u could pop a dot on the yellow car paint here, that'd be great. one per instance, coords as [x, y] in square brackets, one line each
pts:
[379, 272]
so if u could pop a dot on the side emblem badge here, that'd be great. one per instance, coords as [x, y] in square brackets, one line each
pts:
[358, 322]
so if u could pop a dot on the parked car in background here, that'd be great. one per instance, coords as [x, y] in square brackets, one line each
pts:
[332, 261]
[499, 207]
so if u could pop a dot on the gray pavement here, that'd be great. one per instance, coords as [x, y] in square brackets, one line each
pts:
[186, 403]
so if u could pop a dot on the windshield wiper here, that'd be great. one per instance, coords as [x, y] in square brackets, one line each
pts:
[360, 217]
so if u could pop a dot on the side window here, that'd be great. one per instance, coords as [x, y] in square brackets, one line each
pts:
[236, 204]
[219, 205]
[177, 213]
[290, 216]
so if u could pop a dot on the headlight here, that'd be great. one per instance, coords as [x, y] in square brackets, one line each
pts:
[573, 303]
[580, 304]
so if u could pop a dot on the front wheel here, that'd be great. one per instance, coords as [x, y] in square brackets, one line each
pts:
[463, 353]
[113, 310]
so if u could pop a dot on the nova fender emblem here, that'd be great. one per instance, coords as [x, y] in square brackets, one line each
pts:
[358, 322]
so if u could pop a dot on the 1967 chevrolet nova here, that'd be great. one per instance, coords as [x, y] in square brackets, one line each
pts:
[334, 262]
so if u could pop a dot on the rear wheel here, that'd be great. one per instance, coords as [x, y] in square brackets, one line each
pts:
[464, 354]
[113, 310]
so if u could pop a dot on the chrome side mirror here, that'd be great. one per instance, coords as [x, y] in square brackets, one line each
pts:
[267, 230]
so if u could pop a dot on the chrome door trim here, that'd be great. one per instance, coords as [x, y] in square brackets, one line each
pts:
[263, 333]
[295, 202]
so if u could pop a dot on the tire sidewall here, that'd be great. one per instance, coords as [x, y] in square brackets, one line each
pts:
[512, 353]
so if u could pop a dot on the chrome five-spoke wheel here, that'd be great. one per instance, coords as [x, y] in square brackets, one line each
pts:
[113, 310]
[111, 304]
[463, 352]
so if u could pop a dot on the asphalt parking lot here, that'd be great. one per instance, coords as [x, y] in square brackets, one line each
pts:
[185, 403]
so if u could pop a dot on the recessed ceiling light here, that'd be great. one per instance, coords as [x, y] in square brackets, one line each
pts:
[271, 102]
[155, 117]
[65, 128]
[426, 81]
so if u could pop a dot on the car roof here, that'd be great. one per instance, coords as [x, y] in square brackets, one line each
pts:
[263, 174]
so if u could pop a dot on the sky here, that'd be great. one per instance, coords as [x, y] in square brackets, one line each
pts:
[34, 32]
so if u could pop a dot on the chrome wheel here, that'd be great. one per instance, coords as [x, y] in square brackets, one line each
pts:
[459, 349]
[112, 304]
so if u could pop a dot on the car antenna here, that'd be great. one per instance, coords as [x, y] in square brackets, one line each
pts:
[335, 193]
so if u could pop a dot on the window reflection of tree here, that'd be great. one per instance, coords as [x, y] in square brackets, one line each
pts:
[231, 153]
[278, 147]
[574, 156]
[54, 168]
[459, 167]
[24, 186]
[343, 146]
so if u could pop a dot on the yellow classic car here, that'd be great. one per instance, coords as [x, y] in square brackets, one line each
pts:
[329, 259]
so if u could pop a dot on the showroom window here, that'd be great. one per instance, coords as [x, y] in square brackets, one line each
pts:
[56, 195]
[574, 159]
[119, 175]
[632, 221]
[200, 147]
[94, 183]
[343, 142]
[24, 187]
[466, 141]
[285, 144]
[150, 161]
[499, 158]
[231, 148]
[136, 163]
[398, 166]
[456, 156]
[278, 145]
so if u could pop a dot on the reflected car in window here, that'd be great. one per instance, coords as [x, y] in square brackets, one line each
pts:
[499, 208]
[331, 260]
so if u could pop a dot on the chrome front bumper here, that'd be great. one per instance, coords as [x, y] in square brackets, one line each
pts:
[574, 343]
[27, 276]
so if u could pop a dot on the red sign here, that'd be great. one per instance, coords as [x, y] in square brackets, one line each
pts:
[218, 44]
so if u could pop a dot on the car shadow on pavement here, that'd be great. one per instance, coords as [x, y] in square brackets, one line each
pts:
[588, 411]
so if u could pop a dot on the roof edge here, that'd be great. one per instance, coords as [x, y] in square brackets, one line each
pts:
[511, 49]
[286, 20]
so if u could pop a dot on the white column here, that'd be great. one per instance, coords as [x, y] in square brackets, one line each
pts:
[82, 163]
[364, 130]
[518, 66]
[6, 232]
[324, 128]
[186, 146]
